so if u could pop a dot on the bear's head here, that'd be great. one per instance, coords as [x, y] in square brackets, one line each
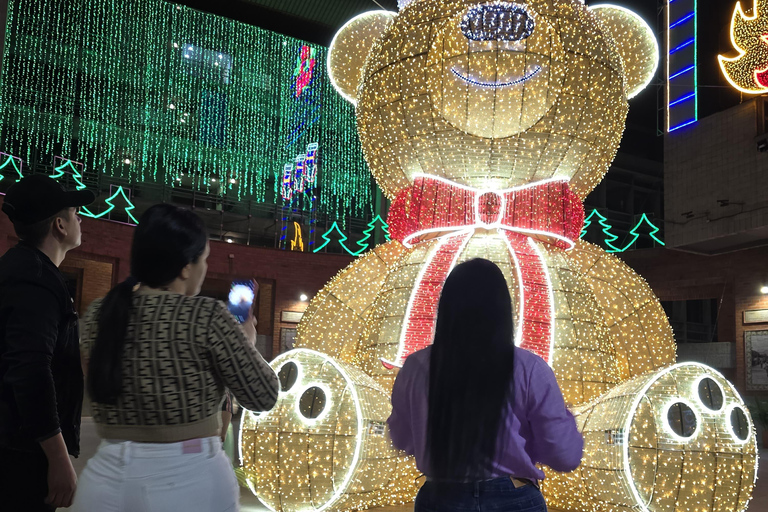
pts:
[492, 94]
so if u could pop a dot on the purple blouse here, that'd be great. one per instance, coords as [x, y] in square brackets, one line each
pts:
[539, 428]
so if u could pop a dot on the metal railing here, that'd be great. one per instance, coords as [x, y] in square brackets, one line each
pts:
[227, 218]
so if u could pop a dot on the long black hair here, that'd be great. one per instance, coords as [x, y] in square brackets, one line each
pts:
[167, 239]
[470, 379]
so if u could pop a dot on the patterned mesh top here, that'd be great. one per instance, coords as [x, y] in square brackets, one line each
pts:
[180, 354]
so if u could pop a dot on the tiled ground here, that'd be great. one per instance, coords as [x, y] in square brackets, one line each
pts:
[249, 503]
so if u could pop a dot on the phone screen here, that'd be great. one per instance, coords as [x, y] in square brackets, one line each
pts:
[241, 299]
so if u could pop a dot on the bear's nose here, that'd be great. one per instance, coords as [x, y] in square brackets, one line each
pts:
[498, 21]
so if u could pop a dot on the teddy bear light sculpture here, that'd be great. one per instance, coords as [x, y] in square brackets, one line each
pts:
[486, 124]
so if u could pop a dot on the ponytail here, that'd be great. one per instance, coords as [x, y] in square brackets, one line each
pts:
[105, 369]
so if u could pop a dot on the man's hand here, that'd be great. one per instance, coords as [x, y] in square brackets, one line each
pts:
[62, 483]
[62, 480]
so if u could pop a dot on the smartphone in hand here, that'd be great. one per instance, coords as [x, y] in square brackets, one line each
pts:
[241, 297]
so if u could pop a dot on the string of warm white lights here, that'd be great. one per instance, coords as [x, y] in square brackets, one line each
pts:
[324, 443]
[648, 448]
[403, 134]
[748, 70]
[497, 172]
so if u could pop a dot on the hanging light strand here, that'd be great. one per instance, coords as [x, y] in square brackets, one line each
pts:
[148, 91]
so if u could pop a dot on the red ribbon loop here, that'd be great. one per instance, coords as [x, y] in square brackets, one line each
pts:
[438, 208]
[433, 207]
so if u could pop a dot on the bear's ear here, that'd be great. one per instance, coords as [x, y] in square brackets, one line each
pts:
[350, 49]
[635, 43]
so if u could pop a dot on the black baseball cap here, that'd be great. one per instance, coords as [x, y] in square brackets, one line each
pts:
[37, 197]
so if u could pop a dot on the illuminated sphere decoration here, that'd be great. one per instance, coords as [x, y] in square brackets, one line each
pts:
[486, 124]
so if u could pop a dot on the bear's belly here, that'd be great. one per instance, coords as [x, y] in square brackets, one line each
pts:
[590, 316]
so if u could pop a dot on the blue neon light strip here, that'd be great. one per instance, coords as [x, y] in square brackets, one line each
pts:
[497, 85]
[682, 125]
[683, 71]
[683, 45]
[683, 20]
[684, 98]
[696, 59]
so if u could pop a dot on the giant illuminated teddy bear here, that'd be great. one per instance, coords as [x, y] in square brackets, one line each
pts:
[486, 124]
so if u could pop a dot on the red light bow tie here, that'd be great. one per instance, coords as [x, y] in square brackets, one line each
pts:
[437, 208]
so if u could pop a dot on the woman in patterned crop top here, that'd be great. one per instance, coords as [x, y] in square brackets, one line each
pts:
[159, 361]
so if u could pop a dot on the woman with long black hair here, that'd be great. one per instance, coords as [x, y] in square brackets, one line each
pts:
[477, 412]
[159, 361]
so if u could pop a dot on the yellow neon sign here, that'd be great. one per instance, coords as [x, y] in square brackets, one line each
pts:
[297, 244]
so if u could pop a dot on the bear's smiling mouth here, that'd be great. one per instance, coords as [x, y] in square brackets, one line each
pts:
[496, 85]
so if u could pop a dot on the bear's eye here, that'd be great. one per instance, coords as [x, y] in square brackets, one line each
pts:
[499, 21]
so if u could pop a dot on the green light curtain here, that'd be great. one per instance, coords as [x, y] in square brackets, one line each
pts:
[148, 90]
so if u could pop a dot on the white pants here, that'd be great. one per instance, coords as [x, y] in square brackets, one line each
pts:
[191, 476]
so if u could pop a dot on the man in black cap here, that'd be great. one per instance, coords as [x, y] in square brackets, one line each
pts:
[41, 380]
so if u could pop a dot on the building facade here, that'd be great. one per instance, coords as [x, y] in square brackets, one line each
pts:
[103, 260]
[712, 276]
[160, 102]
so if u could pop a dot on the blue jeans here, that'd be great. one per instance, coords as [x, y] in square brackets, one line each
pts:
[497, 495]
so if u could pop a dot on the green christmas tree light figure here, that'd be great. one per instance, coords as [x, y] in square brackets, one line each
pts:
[14, 162]
[120, 192]
[603, 221]
[636, 232]
[340, 237]
[61, 170]
[69, 167]
[365, 242]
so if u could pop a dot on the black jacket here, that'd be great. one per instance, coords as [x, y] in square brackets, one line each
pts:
[41, 380]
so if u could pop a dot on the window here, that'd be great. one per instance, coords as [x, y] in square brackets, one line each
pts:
[207, 64]
[694, 321]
